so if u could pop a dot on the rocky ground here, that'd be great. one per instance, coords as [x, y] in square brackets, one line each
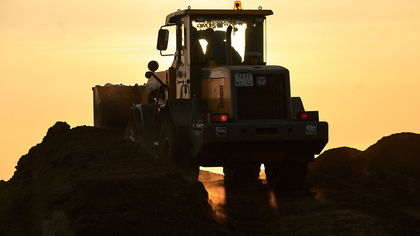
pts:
[88, 181]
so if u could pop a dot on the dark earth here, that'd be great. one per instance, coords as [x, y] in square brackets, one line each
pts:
[90, 181]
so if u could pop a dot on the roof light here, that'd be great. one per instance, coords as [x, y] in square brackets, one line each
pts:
[218, 117]
[237, 5]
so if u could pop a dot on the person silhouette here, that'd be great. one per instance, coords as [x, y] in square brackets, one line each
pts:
[216, 47]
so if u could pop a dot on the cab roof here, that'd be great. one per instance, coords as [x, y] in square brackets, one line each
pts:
[171, 18]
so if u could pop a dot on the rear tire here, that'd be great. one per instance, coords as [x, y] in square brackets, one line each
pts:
[287, 176]
[168, 152]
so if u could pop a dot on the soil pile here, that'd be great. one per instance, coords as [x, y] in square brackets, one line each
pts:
[381, 184]
[89, 181]
[393, 157]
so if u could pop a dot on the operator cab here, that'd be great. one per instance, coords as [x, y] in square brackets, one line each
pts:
[207, 38]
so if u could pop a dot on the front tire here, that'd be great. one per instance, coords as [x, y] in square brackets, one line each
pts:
[167, 149]
[168, 152]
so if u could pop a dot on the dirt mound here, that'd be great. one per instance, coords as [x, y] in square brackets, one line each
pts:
[387, 171]
[382, 183]
[397, 154]
[335, 163]
[88, 181]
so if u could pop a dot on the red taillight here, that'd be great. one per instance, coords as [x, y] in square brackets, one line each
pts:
[308, 116]
[218, 117]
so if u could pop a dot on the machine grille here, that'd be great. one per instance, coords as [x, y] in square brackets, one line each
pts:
[263, 102]
[222, 101]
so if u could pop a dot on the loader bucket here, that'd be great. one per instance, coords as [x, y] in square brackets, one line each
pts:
[112, 105]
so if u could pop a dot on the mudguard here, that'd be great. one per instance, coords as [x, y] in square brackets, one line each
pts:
[181, 111]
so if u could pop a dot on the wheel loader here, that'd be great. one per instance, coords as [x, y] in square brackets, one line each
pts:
[219, 104]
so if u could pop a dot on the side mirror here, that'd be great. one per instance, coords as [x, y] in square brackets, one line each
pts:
[163, 37]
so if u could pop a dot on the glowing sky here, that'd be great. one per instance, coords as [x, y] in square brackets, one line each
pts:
[356, 62]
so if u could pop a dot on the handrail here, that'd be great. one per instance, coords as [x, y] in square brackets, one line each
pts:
[164, 86]
[186, 89]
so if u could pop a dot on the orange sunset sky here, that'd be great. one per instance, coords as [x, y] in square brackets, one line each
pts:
[356, 62]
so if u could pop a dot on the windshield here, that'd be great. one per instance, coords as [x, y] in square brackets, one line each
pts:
[209, 39]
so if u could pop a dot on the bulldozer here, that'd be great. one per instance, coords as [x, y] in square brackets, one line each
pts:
[219, 104]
